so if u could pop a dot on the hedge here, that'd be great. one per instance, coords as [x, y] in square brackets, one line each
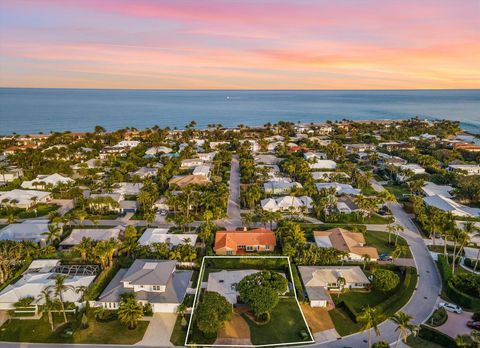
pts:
[102, 281]
[352, 313]
[430, 334]
[297, 283]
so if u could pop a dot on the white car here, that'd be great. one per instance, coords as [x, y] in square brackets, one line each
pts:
[450, 307]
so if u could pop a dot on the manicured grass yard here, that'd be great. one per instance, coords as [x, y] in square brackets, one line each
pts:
[42, 210]
[397, 190]
[379, 240]
[417, 342]
[179, 332]
[37, 331]
[285, 325]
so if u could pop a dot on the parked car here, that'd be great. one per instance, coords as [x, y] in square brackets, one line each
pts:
[385, 257]
[473, 324]
[450, 307]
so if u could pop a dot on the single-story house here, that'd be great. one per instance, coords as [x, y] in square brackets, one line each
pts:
[207, 156]
[286, 203]
[341, 189]
[431, 189]
[161, 235]
[315, 156]
[27, 230]
[38, 277]
[323, 164]
[191, 163]
[43, 181]
[185, 180]
[128, 188]
[145, 172]
[157, 282]
[328, 175]
[127, 144]
[157, 150]
[414, 168]
[24, 199]
[350, 242]
[96, 234]
[319, 280]
[469, 169]
[279, 187]
[346, 205]
[356, 148]
[203, 170]
[11, 173]
[241, 242]
[449, 205]
[267, 159]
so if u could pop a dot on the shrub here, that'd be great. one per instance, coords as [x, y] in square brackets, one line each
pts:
[385, 280]
[147, 310]
[381, 344]
[476, 316]
[430, 334]
[467, 283]
[439, 317]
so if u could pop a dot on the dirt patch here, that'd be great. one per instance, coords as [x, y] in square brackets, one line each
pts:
[236, 328]
[317, 318]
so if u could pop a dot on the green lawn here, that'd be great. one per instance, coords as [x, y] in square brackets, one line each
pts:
[387, 304]
[42, 209]
[375, 219]
[379, 240]
[179, 332]
[285, 325]
[38, 331]
[397, 190]
[417, 342]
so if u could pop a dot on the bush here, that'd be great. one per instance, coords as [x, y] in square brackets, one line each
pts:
[476, 316]
[381, 344]
[430, 334]
[147, 310]
[385, 280]
[439, 317]
[467, 283]
[103, 315]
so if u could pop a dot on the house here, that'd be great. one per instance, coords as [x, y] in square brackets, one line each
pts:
[128, 188]
[157, 282]
[90, 164]
[271, 147]
[356, 148]
[43, 181]
[145, 172]
[24, 199]
[96, 202]
[241, 242]
[328, 176]
[287, 203]
[323, 164]
[185, 180]
[96, 234]
[431, 189]
[346, 205]
[41, 275]
[203, 170]
[207, 156]
[29, 230]
[469, 169]
[127, 144]
[320, 280]
[152, 151]
[315, 156]
[449, 205]
[350, 242]
[340, 189]
[161, 235]
[191, 163]
[10, 174]
[279, 187]
[267, 159]
[467, 147]
[408, 170]
[224, 282]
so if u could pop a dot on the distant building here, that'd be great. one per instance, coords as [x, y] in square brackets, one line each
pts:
[23, 199]
[43, 181]
[241, 242]
[469, 169]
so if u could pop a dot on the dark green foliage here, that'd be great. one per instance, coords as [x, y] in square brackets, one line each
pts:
[385, 280]
[212, 312]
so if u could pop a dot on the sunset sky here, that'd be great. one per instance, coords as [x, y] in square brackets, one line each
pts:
[272, 44]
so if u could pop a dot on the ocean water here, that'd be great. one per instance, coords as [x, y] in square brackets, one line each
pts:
[44, 110]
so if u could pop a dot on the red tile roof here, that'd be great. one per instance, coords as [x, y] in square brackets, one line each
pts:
[232, 239]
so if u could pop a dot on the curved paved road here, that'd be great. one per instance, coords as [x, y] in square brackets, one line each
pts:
[424, 298]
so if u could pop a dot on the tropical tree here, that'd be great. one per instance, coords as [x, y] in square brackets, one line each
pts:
[370, 319]
[404, 326]
[85, 248]
[59, 288]
[399, 251]
[48, 305]
[212, 312]
[54, 233]
[129, 311]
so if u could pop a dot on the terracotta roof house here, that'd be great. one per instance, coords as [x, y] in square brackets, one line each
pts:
[185, 180]
[351, 242]
[241, 242]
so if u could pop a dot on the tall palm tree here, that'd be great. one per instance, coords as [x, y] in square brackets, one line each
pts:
[463, 341]
[84, 248]
[59, 288]
[400, 250]
[370, 319]
[404, 326]
[53, 234]
[48, 305]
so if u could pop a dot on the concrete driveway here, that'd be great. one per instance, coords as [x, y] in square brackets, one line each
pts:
[456, 324]
[159, 330]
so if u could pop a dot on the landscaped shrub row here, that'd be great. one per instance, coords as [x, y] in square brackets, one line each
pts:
[102, 281]
[235, 263]
[429, 334]
[298, 284]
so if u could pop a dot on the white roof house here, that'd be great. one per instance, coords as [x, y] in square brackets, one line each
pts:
[328, 175]
[35, 280]
[96, 234]
[207, 156]
[128, 188]
[191, 163]
[161, 235]
[272, 146]
[279, 187]
[323, 164]
[339, 188]
[286, 203]
[224, 282]
[267, 159]
[431, 189]
[46, 180]
[448, 205]
[470, 169]
[32, 231]
[128, 143]
[145, 172]
[203, 169]
[312, 156]
[157, 150]
[24, 198]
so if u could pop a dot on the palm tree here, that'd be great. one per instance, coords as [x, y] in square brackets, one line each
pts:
[400, 250]
[370, 320]
[366, 258]
[463, 341]
[129, 312]
[404, 326]
[48, 305]
[53, 234]
[59, 288]
[84, 248]
[341, 284]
